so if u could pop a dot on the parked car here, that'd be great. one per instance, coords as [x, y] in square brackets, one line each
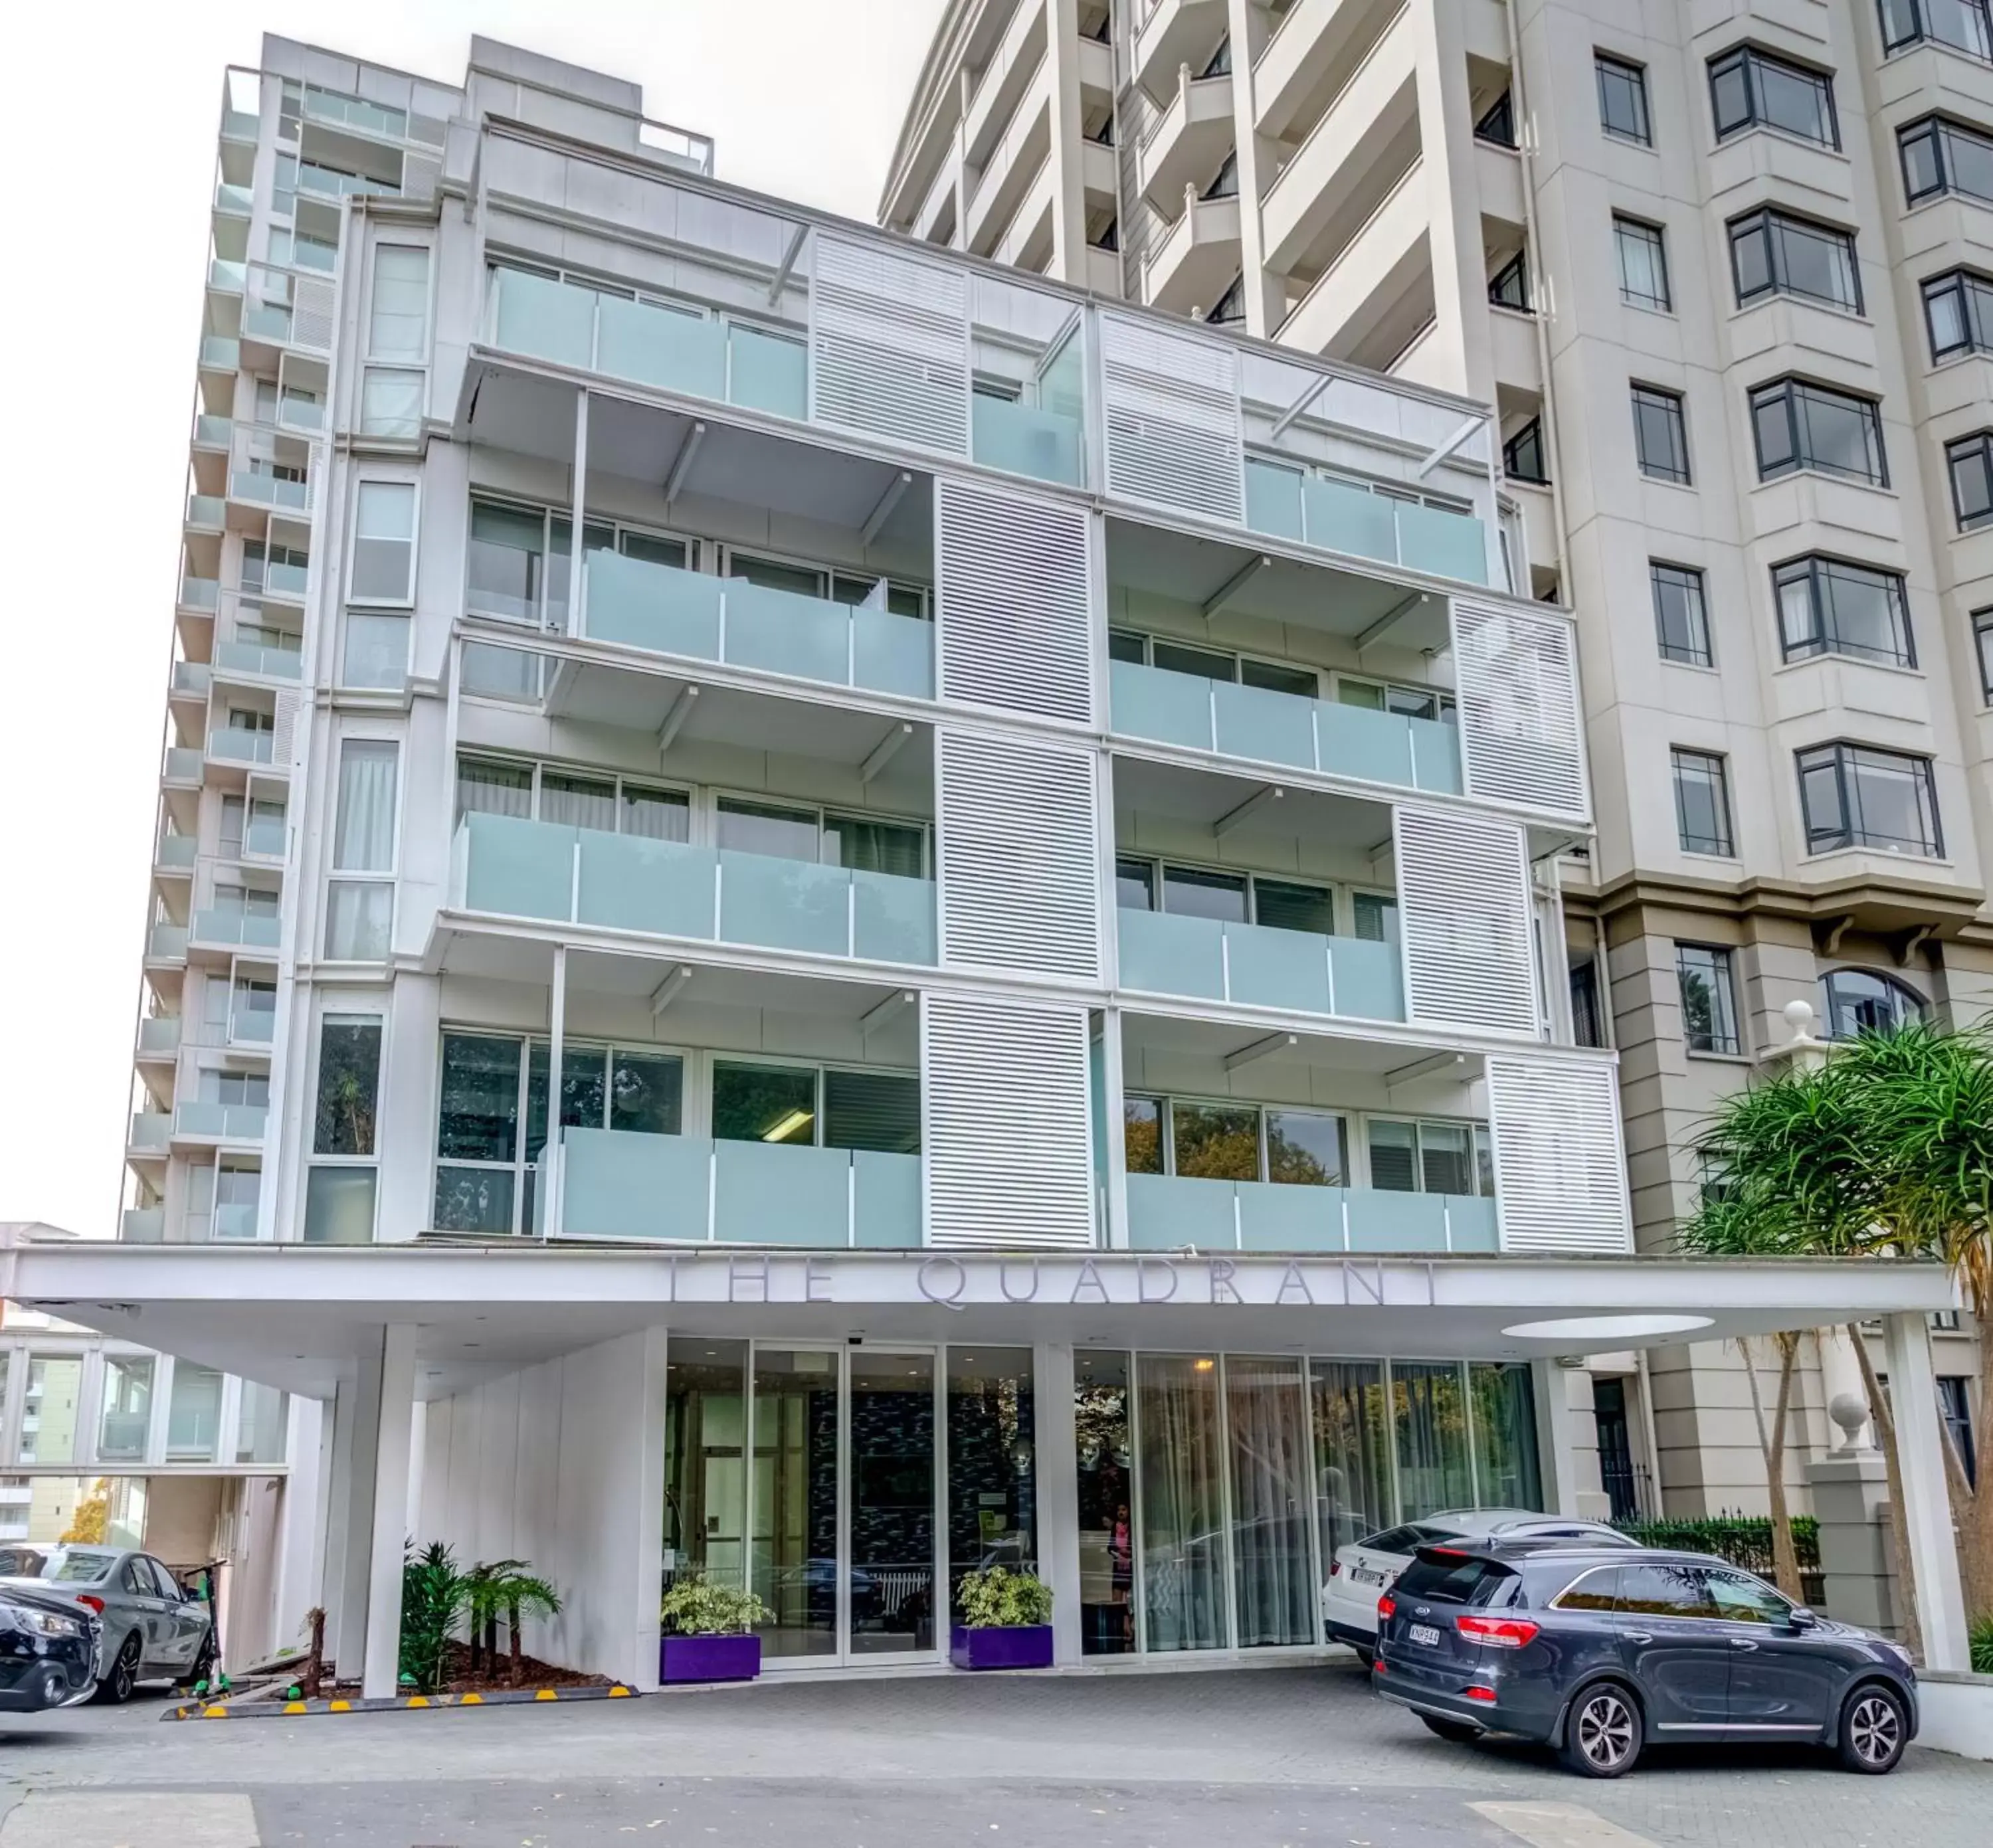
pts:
[149, 1629]
[1362, 1573]
[48, 1651]
[1599, 1651]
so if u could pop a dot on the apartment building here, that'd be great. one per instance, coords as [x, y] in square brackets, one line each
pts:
[1019, 1102]
[1717, 267]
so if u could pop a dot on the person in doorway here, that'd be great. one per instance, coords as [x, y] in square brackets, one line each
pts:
[1121, 1551]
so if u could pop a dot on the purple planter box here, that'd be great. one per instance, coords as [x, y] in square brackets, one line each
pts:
[709, 1658]
[1023, 1646]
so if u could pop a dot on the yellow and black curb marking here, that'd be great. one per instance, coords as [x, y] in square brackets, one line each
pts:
[395, 1704]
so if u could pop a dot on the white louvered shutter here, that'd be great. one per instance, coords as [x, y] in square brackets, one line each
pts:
[1007, 1142]
[1519, 717]
[1560, 1168]
[1013, 606]
[1176, 433]
[1464, 912]
[889, 345]
[1019, 870]
[284, 730]
[311, 313]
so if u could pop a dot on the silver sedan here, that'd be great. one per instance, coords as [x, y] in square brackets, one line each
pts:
[152, 1630]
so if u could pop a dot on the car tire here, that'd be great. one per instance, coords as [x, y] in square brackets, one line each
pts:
[1604, 1733]
[203, 1663]
[115, 1688]
[1875, 1728]
[1367, 1657]
[1455, 1732]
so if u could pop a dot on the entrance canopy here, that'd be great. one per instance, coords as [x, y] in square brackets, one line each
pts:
[298, 1317]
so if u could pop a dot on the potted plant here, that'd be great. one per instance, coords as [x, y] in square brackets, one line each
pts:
[1006, 1621]
[709, 1633]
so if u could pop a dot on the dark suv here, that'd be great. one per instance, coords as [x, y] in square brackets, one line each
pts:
[1600, 1651]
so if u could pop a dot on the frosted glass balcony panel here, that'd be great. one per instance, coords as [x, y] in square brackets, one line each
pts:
[1471, 1224]
[231, 1122]
[1435, 753]
[892, 653]
[643, 605]
[1356, 741]
[769, 1193]
[893, 917]
[1171, 955]
[150, 1128]
[1026, 439]
[1152, 702]
[206, 510]
[183, 764]
[1259, 966]
[227, 278]
[549, 319]
[167, 943]
[629, 883]
[785, 904]
[1272, 728]
[768, 372]
[192, 679]
[263, 840]
[252, 1026]
[1167, 1212]
[286, 580]
[1274, 500]
[1382, 1221]
[159, 1033]
[212, 433]
[1278, 968]
[234, 201]
[1446, 544]
[1369, 979]
[518, 867]
[661, 346]
[237, 746]
[200, 593]
[887, 1200]
[143, 1225]
[247, 657]
[177, 850]
[234, 1220]
[219, 352]
[1342, 518]
[784, 633]
[247, 930]
[621, 1185]
[1278, 1217]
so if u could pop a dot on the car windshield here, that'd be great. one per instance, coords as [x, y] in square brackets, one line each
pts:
[59, 1565]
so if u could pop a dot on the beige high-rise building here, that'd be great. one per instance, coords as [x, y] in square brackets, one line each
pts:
[1724, 270]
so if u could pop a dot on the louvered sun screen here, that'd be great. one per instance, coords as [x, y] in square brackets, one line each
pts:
[1464, 917]
[1176, 434]
[889, 346]
[1517, 680]
[1559, 1170]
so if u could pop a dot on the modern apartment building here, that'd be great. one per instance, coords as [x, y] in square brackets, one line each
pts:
[1717, 267]
[1017, 1101]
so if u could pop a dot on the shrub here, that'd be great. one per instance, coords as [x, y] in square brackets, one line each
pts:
[434, 1595]
[1001, 1599]
[698, 1608]
[1982, 1644]
[1744, 1540]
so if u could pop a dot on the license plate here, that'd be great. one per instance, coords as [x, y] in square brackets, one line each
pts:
[1364, 1577]
[1425, 1633]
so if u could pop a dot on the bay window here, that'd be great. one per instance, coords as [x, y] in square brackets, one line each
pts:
[1798, 424]
[1853, 795]
[1830, 606]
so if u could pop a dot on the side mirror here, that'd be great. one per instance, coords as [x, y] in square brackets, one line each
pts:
[1800, 1617]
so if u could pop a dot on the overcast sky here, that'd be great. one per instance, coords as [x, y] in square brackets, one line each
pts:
[110, 133]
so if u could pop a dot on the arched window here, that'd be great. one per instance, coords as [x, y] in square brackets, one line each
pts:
[1854, 1000]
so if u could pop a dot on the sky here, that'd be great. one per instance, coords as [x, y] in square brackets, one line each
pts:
[110, 132]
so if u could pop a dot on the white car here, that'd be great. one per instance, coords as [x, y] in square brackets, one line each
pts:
[1362, 1573]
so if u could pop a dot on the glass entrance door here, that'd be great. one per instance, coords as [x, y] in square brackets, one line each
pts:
[892, 1527]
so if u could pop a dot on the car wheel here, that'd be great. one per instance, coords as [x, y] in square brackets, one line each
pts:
[1603, 1736]
[204, 1664]
[1455, 1732]
[116, 1687]
[1367, 1657]
[1874, 1730]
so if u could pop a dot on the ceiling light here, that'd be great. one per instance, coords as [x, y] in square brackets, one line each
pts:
[1607, 1327]
[788, 1125]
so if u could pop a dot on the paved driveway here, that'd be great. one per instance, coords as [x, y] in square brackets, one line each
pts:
[1267, 1758]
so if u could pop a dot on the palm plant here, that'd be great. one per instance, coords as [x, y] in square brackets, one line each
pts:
[434, 1594]
[506, 1587]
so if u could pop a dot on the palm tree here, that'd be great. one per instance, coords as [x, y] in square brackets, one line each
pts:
[524, 1595]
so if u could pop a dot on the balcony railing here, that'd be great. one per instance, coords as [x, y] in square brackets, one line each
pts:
[208, 510]
[659, 607]
[231, 927]
[269, 490]
[515, 868]
[221, 353]
[1168, 1212]
[184, 764]
[179, 850]
[122, 1435]
[235, 745]
[252, 1025]
[222, 1122]
[167, 943]
[151, 1129]
[143, 1224]
[199, 593]
[159, 1033]
[212, 433]
[1288, 504]
[331, 183]
[263, 840]
[1257, 965]
[268, 663]
[618, 1185]
[234, 201]
[1282, 728]
[192, 679]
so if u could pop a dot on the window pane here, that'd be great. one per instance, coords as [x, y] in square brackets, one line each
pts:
[1658, 438]
[260, 1421]
[1446, 1158]
[127, 1407]
[384, 547]
[1709, 1007]
[507, 559]
[391, 402]
[1192, 892]
[1681, 620]
[1622, 99]
[1351, 1451]
[1429, 1417]
[349, 1084]
[646, 1093]
[1643, 268]
[1216, 1141]
[872, 1110]
[577, 801]
[358, 915]
[1284, 906]
[1751, 257]
[788, 833]
[1856, 1001]
[1507, 1468]
[1183, 1501]
[869, 846]
[397, 325]
[1377, 916]
[705, 1462]
[802, 580]
[1178, 658]
[991, 1484]
[1277, 677]
[48, 1410]
[1394, 1157]
[658, 814]
[484, 787]
[467, 1199]
[1273, 1588]
[377, 651]
[1122, 645]
[583, 1091]
[479, 1112]
[1304, 1148]
[1135, 885]
[1972, 466]
[193, 1413]
[1142, 1134]
[763, 1103]
[364, 836]
[1702, 803]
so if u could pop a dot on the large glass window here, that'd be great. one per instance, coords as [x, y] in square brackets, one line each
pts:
[399, 316]
[384, 543]
[193, 1413]
[1681, 613]
[1274, 1590]
[262, 1419]
[1429, 1156]
[1773, 252]
[1660, 434]
[1430, 1414]
[1969, 461]
[793, 1552]
[1965, 25]
[615, 804]
[126, 1411]
[1958, 314]
[49, 1409]
[1642, 251]
[992, 1517]
[1854, 796]
[1982, 640]
[1104, 1456]
[705, 1461]
[1506, 1469]
[1708, 999]
[1940, 155]
[339, 1186]
[1801, 425]
[1622, 99]
[1702, 802]
[1182, 1486]
[1858, 1001]
[1829, 607]
[1752, 89]
[1522, 454]
[359, 911]
[1352, 1460]
[854, 1109]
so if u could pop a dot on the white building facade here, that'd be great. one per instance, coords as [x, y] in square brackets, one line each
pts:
[1018, 1101]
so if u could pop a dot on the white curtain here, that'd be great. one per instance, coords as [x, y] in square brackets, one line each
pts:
[1273, 1569]
[364, 840]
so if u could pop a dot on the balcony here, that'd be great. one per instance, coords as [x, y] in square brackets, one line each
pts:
[1197, 262]
[230, 744]
[159, 1036]
[257, 661]
[166, 943]
[263, 838]
[690, 1190]
[1339, 516]
[260, 490]
[1260, 727]
[252, 1026]
[1379, 288]
[143, 1225]
[199, 593]
[512, 868]
[1170, 1212]
[236, 927]
[192, 681]
[150, 1132]
[667, 611]
[234, 201]
[207, 513]
[1186, 143]
[211, 432]
[219, 353]
[203, 1121]
[1256, 966]
[1171, 34]
[176, 853]
[184, 766]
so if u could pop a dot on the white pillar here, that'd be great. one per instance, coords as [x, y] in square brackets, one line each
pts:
[1055, 1488]
[349, 1513]
[1927, 1504]
[301, 1521]
[1568, 1441]
[393, 1434]
[642, 1672]
[547, 1197]
[580, 509]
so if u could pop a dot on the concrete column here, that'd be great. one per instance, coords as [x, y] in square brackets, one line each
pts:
[349, 1512]
[1851, 1499]
[580, 512]
[1266, 294]
[1056, 1491]
[394, 1435]
[650, 1510]
[301, 1522]
[1068, 255]
[1927, 1504]
[1568, 1443]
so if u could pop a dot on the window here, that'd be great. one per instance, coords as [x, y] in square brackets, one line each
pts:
[1230, 306]
[614, 804]
[1802, 425]
[1233, 1141]
[1224, 184]
[1969, 460]
[260, 1423]
[1708, 999]
[1522, 454]
[194, 1414]
[399, 316]
[1956, 1408]
[1858, 1001]
[1778, 253]
[1940, 155]
[1622, 99]
[1854, 796]
[127, 1407]
[867, 843]
[384, 544]
[1660, 434]
[1429, 1157]
[1509, 285]
[1743, 1600]
[1829, 607]
[1965, 25]
[1982, 636]
[1498, 122]
[1229, 897]
[1213, 663]
[1220, 64]
[1587, 1020]
[1702, 802]
[832, 1108]
[1681, 613]
[1752, 89]
[1958, 314]
[391, 402]
[1642, 251]
[349, 1084]
[358, 911]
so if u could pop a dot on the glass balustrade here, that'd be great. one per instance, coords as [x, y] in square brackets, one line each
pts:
[252, 1026]
[225, 1122]
[234, 201]
[227, 278]
[285, 580]
[1282, 728]
[662, 608]
[689, 1189]
[143, 1225]
[523, 869]
[240, 124]
[212, 433]
[1026, 440]
[1339, 516]
[199, 593]
[159, 1033]
[263, 840]
[183, 764]
[268, 491]
[235, 746]
[237, 928]
[176, 850]
[233, 1219]
[221, 353]
[192, 679]
[1169, 1212]
[207, 510]
[1256, 966]
[151, 1129]
[167, 943]
[250, 658]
